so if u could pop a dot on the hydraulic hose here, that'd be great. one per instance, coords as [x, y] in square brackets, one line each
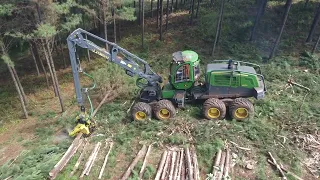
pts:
[87, 91]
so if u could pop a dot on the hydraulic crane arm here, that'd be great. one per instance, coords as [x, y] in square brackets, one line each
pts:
[132, 64]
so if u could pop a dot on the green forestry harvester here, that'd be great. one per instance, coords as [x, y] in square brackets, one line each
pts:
[227, 83]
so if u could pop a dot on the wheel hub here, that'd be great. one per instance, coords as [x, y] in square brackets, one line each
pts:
[141, 115]
[164, 114]
[213, 113]
[241, 113]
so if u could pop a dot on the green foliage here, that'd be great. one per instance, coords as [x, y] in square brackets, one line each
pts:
[126, 13]
[309, 60]
[46, 30]
[71, 22]
[7, 60]
[6, 9]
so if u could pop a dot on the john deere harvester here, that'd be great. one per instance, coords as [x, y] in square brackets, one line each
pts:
[227, 83]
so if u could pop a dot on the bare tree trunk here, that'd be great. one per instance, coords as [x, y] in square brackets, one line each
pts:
[35, 61]
[49, 67]
[42, 66]
[142, 30]
[105, 26]
[316, 45]
[19, 92]
[161, 15]
[197, 12]
[192, 12]
[61, 48]
[114, 26]
[218, 27]
[167, 15]
[285, 17]
[314, 24]
[151, 8]
[55, 76]
[171, 6]
[257, 19]
[158, 7]
[20, 86]
[119, 30]
[15, 80]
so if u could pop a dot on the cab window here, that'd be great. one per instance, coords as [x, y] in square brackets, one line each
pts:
[183, 73]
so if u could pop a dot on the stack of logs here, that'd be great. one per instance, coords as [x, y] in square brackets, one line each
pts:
[221, 168]
[178, 164]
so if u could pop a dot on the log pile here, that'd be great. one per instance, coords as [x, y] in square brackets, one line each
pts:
[178, 164]
[222, 165]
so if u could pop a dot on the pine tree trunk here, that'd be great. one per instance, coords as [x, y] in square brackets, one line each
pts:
[171, 7]
[192, 12]
[161, 16]
[35, 61]
[139, 13]
[314, 24]
[151, 8]
[119, 30]
[167, 15]
[198, 6]
[61, 49]
[19, 92]
[114, 26]
[315, 45]
[284, 20]
[35, 48]
[142, 30]
[49, 67]
[55, 76]
[158, 7]
[20, 86]
[104, 18]
[218, 27]
[257, 19]
[176, 5]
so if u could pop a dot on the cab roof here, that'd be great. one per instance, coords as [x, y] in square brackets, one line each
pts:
[224, 67]
[185, 56]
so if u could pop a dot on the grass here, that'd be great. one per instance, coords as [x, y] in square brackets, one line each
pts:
[280, 113]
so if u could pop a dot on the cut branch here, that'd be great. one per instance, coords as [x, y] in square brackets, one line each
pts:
[145, 161]
[105, 161]
[189, 164]
[89, 161]
[164, 172]
[93, 159]
[221, 166]
[216, 163]
[134, 162]
[277, 166]
[76, 166]
[173, 160]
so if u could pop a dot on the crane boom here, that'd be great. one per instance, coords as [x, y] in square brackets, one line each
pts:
[132, 64]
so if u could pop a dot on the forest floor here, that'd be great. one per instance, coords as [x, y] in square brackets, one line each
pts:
[282, 125]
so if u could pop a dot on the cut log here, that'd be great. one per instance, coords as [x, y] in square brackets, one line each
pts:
[285, 170]
[88, 163]
[134, 162]
[82, 154]
[161, 165]
[65, 158]
[215, 167]
[189, 163]
[221, 166]
[195, 164]
[145, 161]
[176, 168]
[183, 167]
[227, 165]
[164, 171]
[181, 161]
[105, 161]
[93, 159]
[173, 160]
[101, 103]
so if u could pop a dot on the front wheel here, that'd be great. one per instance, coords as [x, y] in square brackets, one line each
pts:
[241, 109]
[141, 111]
[164, 110]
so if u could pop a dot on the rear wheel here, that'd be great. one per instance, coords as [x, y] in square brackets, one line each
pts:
[164, 110]
[141, 111]
[214, 109]
[241, 109]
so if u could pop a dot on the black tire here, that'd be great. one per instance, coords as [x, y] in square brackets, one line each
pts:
[244, 105]
[164, 110]
[215, 105]
[141, 111]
